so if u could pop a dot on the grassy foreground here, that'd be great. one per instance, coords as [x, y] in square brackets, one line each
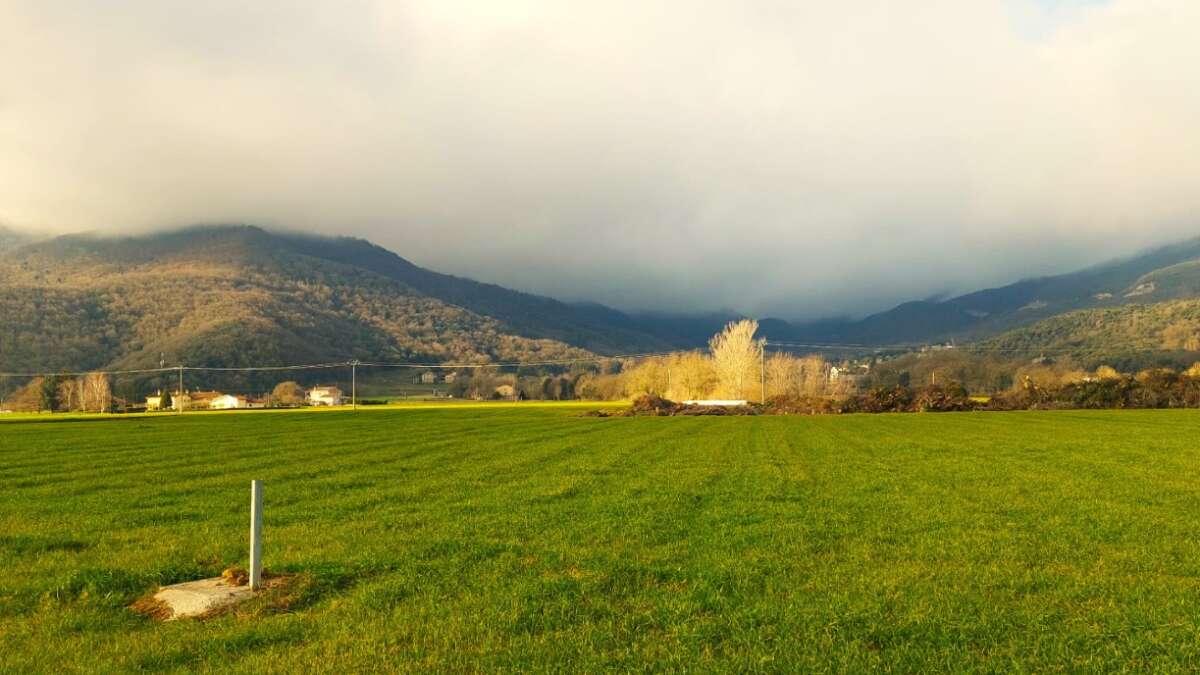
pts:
[514, 538]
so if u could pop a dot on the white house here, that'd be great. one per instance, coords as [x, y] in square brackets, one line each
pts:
[324, 396]
[227, 402]
[154, 402]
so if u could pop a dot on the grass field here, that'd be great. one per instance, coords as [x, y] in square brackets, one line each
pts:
[526, 538]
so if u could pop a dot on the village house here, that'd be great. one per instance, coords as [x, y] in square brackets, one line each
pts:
[848, 374]
[324, 396]
[154, 403]
[180, 401]
[202, 400]
[427, 377]
[227, 402]
[450, 377]
[188, 400]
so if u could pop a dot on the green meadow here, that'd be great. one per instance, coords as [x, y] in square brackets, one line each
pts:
[527, 538]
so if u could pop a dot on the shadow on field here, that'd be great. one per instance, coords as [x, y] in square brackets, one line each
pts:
[50, 419]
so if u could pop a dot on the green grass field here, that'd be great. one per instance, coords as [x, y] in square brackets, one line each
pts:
[482, 538]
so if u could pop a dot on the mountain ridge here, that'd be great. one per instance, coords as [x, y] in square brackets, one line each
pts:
[224, 295]
[988, 312]
[232, 296]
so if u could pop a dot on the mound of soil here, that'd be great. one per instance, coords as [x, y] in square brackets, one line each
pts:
[657, 406]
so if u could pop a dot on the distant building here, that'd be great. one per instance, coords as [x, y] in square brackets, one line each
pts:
[324, 396]
[848, 374]
[450, 377]
[505, 391]
[202, 399]
[180, 400]
[154, 403]
[227, 402]
[427, 377]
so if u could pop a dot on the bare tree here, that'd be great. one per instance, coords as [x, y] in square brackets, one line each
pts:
[785, 375]
[287, 394]
[648, 376]
[814, 375]
[95, 392]
[736, 355]
[69, 394]
[691, 375]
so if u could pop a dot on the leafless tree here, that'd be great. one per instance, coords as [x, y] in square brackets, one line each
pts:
[96, 393]
[736, 354]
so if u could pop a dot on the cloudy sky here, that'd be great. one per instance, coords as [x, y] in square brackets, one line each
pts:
[797, 158]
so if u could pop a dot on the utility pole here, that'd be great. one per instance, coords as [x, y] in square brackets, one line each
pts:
[178, 401]
[354, 384]
[762, 372]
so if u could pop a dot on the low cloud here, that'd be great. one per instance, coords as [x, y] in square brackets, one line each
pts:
[791, 159]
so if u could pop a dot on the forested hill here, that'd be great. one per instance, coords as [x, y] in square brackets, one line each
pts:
[10, 239]
[1166, 273]
[239, 295]
[1129, 337]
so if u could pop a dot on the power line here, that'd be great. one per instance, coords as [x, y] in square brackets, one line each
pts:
[919, 346]
[841, 346]
[340, 364]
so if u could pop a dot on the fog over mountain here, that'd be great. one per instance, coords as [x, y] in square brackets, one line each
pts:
[793, 159]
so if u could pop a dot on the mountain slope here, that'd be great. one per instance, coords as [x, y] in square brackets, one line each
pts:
[1129, 337]
[233, 296]
[10, 239]
[593, 327]
[1161, 274]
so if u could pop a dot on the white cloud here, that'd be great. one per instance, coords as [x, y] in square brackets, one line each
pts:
[788, 158]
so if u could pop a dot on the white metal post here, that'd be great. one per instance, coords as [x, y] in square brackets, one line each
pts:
[762, 372]
[255, 533]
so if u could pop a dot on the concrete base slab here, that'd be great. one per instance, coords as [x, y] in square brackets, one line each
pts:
[195, 598]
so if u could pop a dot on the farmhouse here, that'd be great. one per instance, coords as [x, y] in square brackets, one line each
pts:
[228, 402]
[154, 402]
[324, 396]
[427, 377]
[848, 373]
[180, 401]
[202, 399]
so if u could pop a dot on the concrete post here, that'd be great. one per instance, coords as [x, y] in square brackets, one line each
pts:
[255, 534]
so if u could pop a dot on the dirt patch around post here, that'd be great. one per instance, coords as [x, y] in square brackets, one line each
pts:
[207, 598]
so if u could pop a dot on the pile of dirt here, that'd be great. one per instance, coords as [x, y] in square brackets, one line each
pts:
[153, 608]
[235, 576]
[882, 400]
[654, 405]
[657, 406]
